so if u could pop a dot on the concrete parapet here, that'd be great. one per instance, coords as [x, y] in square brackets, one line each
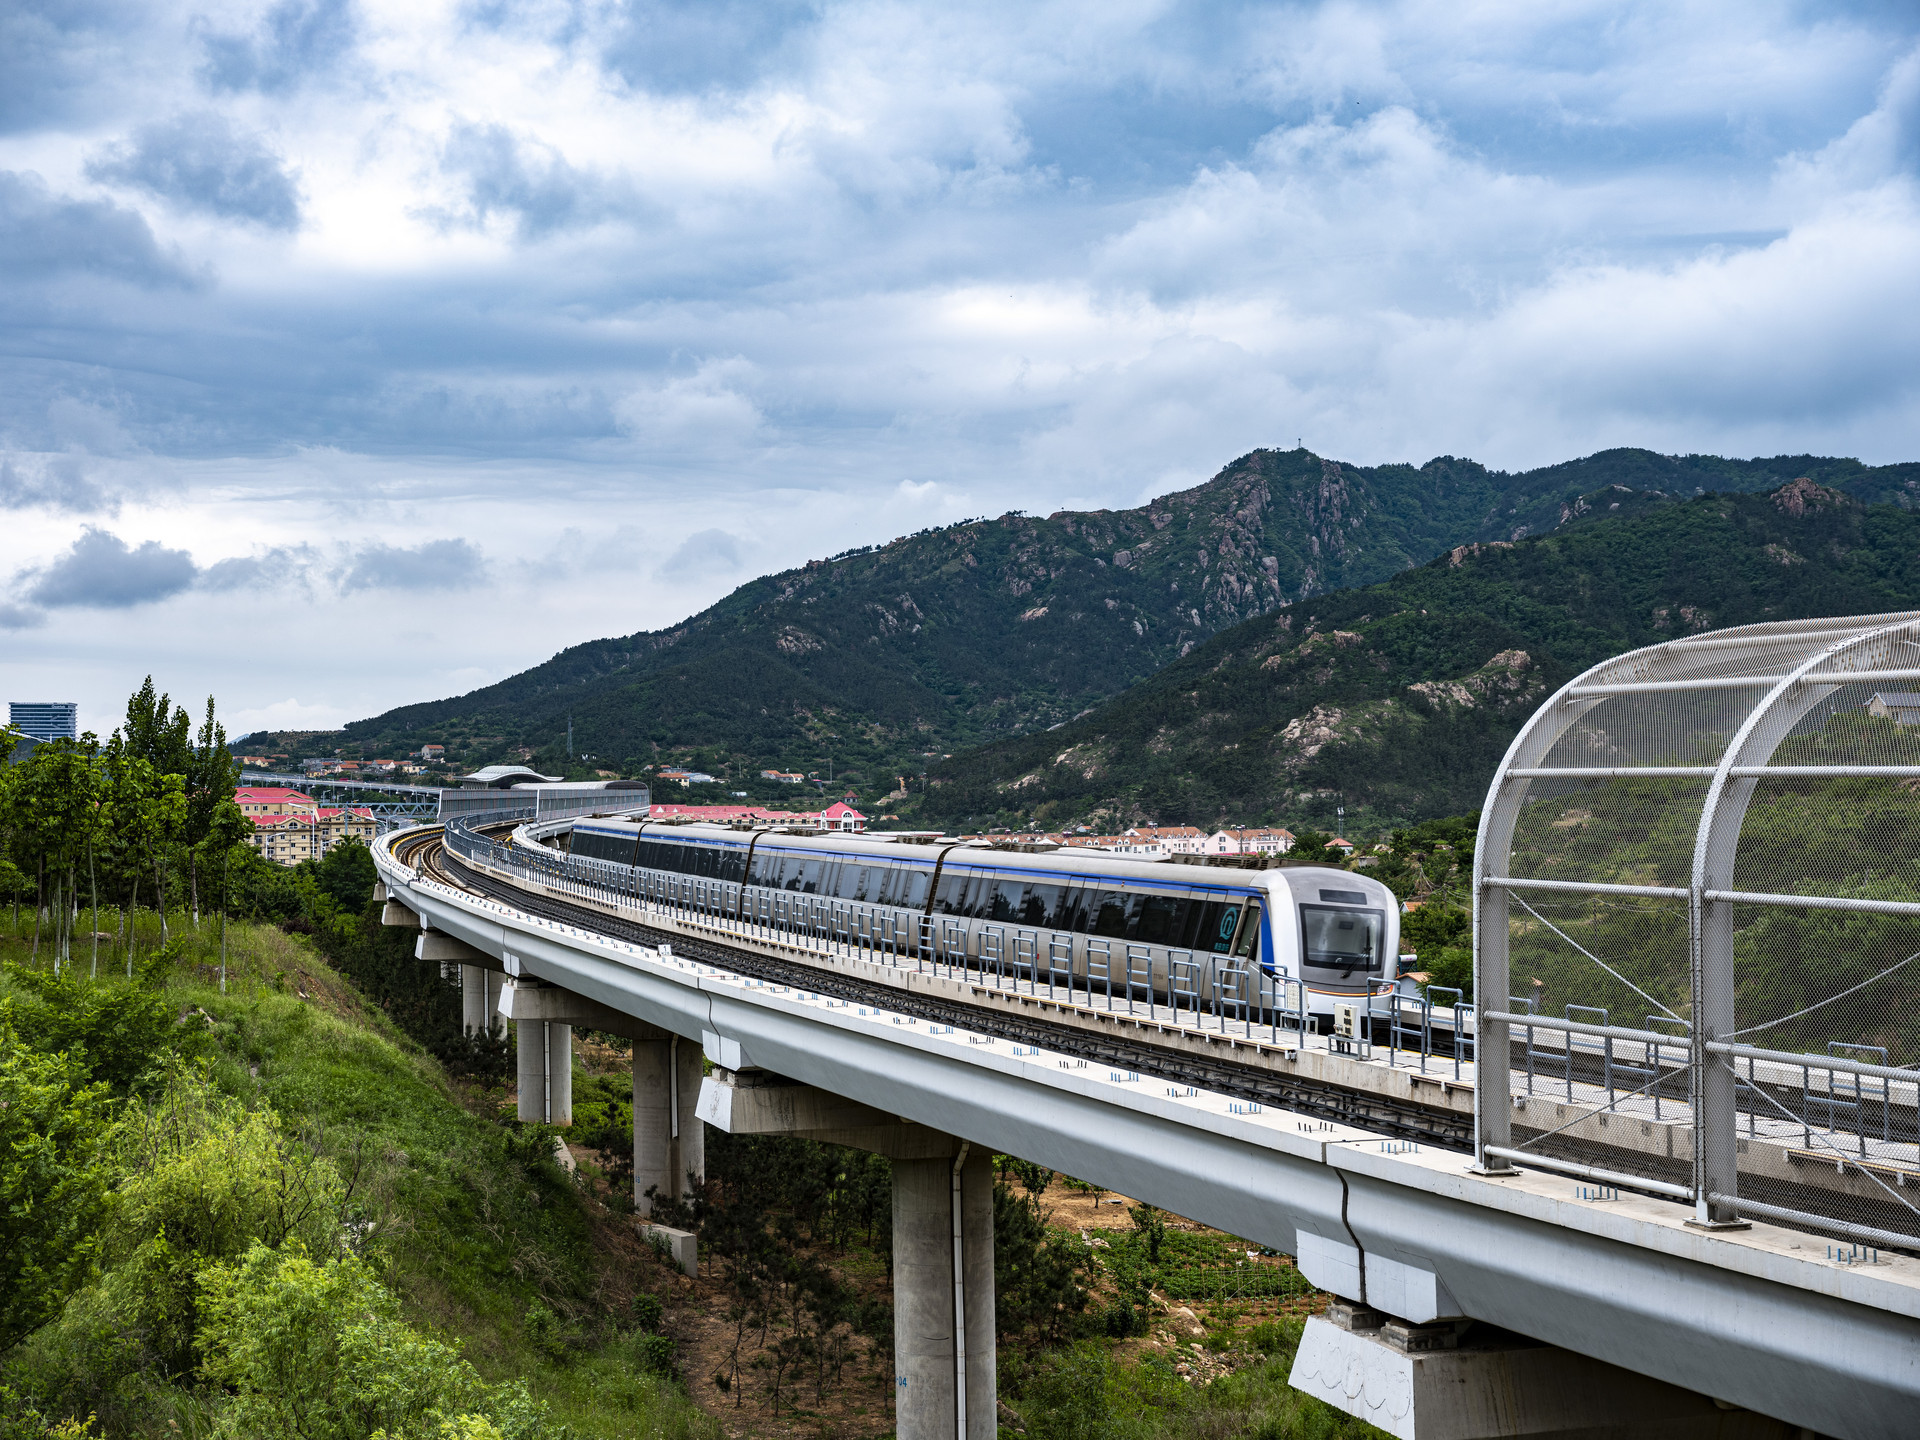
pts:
[1449, 1382]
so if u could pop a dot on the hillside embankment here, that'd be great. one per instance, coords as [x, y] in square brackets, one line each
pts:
[265, 1210]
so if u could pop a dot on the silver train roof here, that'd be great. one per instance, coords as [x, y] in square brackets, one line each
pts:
[1083, 861]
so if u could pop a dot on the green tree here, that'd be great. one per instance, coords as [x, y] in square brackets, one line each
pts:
[205, 1179]
[54, 800]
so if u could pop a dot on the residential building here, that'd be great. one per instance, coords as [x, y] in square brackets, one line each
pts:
[785, 777]
[1249, 842]
[431, 753]
[838, 817]
[1901, 707]
[45, 719]
[289, 827]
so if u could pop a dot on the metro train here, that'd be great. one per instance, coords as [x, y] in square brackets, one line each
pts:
[1110, 919]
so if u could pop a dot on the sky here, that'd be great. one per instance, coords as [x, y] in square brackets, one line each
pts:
[358, 353]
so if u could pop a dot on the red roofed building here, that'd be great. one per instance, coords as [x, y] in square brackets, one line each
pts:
[716, 812]
[838, 816]
[289, 827]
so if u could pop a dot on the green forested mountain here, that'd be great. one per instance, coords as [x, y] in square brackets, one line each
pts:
[1396, 700]
[888, 656]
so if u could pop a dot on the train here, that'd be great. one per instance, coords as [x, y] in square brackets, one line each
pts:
[1109, 921]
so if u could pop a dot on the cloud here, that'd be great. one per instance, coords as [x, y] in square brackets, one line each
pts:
[523, 180]
[707, 551]
[288, 714]
[201, 161]
[102, 571]
[282, 566]
[432, 565]
[295, 40]
[57, 482]
[20, 617]
[42, 233]
[57, 56]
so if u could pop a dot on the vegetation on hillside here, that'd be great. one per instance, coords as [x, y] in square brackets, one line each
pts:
[1394, 702]
[244, 1198]
[876, 663]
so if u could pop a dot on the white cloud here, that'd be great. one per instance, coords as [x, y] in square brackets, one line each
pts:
[612, 306]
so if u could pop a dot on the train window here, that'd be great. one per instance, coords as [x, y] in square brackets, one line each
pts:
[963, 893]
[1249, 941]
[773, 868]
[1020, 902]
[1164, 920]
[910, 884]
[1113, 913]
[858, 882]
[1224, 925]
[1345, 940]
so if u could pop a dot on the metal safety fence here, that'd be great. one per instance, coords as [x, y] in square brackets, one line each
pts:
[1697, 929]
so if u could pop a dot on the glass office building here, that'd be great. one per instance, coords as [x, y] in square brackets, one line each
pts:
[45, 719]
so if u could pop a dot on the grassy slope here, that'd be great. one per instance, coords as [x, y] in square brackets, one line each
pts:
[1398, 699]
[952, 637]
[472, 1233]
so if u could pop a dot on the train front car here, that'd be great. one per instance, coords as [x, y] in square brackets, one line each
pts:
[1335, 931]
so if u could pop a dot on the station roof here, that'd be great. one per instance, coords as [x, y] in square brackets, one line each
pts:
[505, 777]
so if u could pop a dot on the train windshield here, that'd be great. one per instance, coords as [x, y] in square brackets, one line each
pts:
[1341, 939]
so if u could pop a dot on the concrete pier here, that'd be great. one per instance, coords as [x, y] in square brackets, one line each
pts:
[940, 1237]
[545, 1071]
[669, 1138]
[479, 999]
[927, 1335]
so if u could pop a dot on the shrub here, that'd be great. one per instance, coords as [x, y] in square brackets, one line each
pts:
[206, 1178]
[317, 1351]
[647, 1311]
[53, 1187]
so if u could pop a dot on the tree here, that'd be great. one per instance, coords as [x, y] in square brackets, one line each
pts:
[54, 803]
[212, 773]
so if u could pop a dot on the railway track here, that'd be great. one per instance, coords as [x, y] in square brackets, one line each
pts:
[1396, 1119]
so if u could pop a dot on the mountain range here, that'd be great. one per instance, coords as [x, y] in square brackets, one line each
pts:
[1394, 702]
[883, 661]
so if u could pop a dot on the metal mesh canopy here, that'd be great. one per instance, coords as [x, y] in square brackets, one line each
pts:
[1697, 928]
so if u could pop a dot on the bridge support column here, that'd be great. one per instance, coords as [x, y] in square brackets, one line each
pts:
[669, 1137]
[943, 1323]
[943, 1331]
[545, 1071]
[479, 998]
[480, 977]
